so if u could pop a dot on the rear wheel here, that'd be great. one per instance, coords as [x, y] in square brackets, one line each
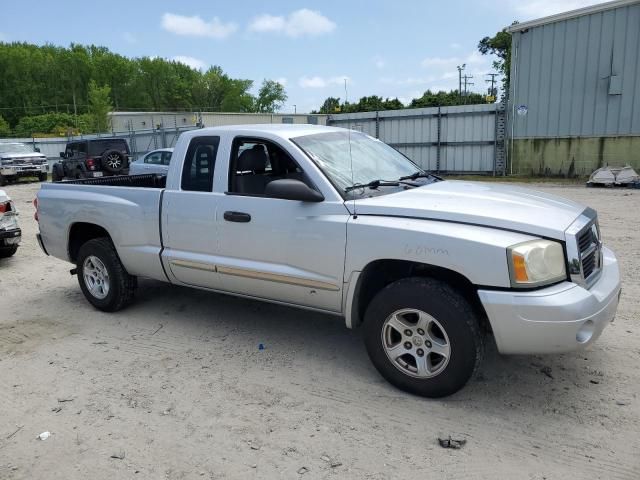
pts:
[423, 337]
[3, 180]
[43, 177]
[102, 277]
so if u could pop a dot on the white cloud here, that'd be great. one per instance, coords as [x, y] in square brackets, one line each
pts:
[455, 46]
[322, 82]
[196, 26]
[129, 37]
[531, 9]
[282, 81]
[299, 23]
[379, 62]
[192, 62]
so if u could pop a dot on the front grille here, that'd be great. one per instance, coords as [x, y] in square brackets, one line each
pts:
[589, 246]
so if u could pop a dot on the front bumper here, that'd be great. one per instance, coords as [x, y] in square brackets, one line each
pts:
[556, 319]
[10, 238]
[26, 170]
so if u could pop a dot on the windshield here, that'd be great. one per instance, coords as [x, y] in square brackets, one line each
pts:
[371, 158]
[15, 148]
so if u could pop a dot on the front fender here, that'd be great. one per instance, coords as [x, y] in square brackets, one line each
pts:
[475, 252]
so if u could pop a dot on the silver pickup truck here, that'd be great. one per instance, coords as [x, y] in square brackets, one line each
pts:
[336, 221]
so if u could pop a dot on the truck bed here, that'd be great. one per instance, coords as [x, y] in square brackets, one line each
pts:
[147, 180]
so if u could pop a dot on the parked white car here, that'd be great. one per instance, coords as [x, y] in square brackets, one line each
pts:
[10, 233]
[156, 161]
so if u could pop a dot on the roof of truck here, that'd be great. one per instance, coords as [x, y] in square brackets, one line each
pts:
[282, 130]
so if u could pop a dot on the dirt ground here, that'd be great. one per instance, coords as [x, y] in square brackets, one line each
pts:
[176, 386]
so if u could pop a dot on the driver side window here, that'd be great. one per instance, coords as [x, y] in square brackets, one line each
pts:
[256, 162]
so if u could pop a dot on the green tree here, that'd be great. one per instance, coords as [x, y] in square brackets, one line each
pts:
[500, 46]
[99, 105]
[5, 130]
[271, 97]
[445, 99]
[331, 105]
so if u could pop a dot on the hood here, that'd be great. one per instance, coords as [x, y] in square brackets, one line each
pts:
[501, 206]
[23, 156]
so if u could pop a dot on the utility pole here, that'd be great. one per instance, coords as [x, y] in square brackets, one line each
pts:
[492, 81]
[295, 109]
[460, 69]
[466, 83]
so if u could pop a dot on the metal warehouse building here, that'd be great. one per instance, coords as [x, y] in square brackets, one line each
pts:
[574, 100]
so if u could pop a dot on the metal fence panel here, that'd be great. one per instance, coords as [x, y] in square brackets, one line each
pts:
[464, 138]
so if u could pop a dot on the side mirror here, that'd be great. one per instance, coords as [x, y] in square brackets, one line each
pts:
[289, 189]
[37, 149]
[62, 154]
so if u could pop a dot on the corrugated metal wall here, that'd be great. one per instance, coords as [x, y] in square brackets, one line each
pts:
[464, 138]
[578, 77]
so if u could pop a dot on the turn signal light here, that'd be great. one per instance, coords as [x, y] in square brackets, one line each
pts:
[35, 204]
[5, 207]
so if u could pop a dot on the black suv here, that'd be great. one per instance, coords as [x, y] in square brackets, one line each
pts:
[99, 157]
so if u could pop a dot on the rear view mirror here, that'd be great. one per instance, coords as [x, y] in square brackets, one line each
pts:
[289, 189]
[37, 149]
[61, 154]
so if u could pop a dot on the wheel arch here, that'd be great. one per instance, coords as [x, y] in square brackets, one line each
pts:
[80, 233]
[379, 273]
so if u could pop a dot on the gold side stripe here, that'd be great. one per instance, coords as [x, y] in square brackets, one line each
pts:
[274, 277]
[194, 265]
[257, 275]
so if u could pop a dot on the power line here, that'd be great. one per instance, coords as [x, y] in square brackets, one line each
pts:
[492, 90]
[466, 84]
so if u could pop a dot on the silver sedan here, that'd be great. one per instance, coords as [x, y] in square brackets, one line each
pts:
[155, 161]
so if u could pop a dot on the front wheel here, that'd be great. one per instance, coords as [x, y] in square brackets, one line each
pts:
[8, 252]
[102, 277]
[423, 337]
[43, 177]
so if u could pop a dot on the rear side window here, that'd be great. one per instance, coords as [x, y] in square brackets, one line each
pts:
[154, 158]
[197, 171]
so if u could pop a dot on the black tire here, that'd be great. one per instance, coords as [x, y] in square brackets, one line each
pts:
[454, 314]
[114, 161]
[8, 252]
[121, 284]
[79, 175]
[43, 177]
[3, 180]
[57, 173]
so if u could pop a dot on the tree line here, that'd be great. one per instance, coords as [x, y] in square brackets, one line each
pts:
[58, 82]
[56, 90]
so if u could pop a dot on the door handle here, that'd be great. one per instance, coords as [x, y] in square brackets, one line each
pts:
[240, 217]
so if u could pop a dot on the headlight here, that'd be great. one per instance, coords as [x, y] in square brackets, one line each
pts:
[536, 263]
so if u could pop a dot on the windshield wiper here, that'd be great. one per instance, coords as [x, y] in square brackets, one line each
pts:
[419, 174]
[373, 184]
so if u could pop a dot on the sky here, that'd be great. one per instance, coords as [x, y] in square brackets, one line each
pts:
[389, 48]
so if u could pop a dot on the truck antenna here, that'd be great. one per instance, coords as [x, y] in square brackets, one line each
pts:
[346, 101]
